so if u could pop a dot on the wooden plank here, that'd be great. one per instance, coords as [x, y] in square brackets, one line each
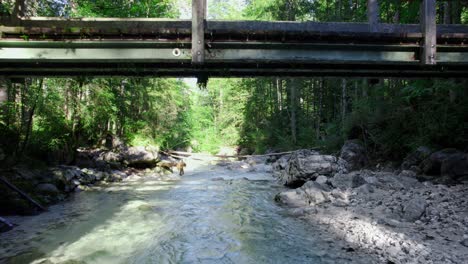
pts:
[22, 194]
[198, 31]
[428, 27]
[373, 15]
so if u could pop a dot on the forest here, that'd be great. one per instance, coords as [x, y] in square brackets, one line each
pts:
[47, 119]
[106, 166]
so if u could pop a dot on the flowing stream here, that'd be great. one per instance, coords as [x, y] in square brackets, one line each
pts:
[197, 219]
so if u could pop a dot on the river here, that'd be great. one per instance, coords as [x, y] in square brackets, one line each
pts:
[200, 218]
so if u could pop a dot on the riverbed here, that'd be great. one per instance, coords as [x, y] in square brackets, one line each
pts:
[210, 215]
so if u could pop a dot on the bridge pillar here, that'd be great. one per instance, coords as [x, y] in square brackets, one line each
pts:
[429, 30]
[198, 31]
[373, 14]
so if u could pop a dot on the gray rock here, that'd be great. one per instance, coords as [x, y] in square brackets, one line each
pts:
[110, 156]
[414, 209]
[449, 163]
[322, 180]
[141, 157]
[310, 194]
[292, 198]
[464, 242]
[305, 165]
[416, 157]
[407, 173]
[47, 188]
[348, 180]
[365, 189]
[354, 153]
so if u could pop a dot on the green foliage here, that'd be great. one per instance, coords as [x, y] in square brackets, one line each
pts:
[123, 8]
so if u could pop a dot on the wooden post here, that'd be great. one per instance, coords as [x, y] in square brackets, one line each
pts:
[373, 14]
[428, 28]
[198, 31]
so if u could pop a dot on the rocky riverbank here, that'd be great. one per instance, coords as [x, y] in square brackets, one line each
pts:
[93, 166]
[404, 215]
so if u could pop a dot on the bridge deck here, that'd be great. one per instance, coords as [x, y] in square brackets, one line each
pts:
[155, 47]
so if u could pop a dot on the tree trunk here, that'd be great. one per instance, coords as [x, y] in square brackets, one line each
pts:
[293, 98]
[319, 112]
[343, 102]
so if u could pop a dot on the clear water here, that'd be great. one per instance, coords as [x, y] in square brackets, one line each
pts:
[192, 220]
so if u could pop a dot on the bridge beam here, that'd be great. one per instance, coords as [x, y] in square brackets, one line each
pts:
[428, 28]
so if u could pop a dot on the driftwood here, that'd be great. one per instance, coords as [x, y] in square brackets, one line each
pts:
[7, 223]
[187, 154]
[23, 194]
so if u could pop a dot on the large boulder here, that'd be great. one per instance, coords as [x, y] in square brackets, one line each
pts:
[451, 164]
[47, 189]
[354, 153]
[141, 157]
[306, 165]
[416, 157]
[310, 194]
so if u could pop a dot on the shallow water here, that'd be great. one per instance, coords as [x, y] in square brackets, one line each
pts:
[192, 220]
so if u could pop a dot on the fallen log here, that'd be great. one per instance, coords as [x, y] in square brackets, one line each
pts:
[22, 194]
[7, 225]
[187, 154]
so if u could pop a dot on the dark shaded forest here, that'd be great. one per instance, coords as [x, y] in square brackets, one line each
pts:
[49, 118]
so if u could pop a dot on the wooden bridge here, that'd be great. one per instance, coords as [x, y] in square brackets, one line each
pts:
[43, 46]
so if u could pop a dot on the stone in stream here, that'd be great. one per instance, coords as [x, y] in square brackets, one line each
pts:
[310, 194]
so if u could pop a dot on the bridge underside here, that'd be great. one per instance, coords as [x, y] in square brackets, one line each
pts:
[153, 47]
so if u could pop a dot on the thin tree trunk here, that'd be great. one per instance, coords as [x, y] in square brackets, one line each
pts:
[343, 101]
[319, 112]
[293, 98]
